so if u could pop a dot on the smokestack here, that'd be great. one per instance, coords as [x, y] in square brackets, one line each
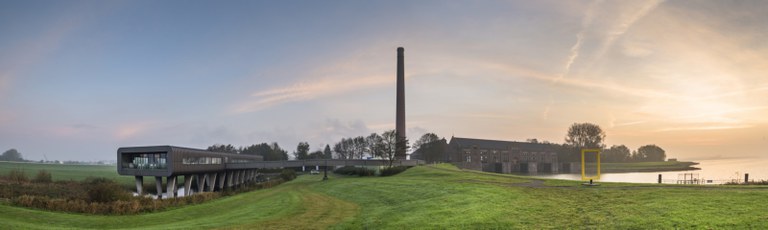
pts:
[400, 117]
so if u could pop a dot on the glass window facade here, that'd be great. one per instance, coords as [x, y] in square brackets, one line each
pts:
[240, 161]
[201, 161]
[145, 161]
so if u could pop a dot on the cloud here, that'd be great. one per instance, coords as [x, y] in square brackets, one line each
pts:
[703, 127]
[128, 131]
[634, 49]
[586, 22]
[624, 24]
[76, 129]
[303, 91]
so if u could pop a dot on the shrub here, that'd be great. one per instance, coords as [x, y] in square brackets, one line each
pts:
[104, 190]
[352, 170]
[18, 176]
[287, 174]
[393, 170]
[43, 176]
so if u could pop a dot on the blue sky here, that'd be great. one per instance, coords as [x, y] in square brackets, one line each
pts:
[78, 79]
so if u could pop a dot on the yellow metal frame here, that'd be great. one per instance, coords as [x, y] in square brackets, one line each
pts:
[583, 164]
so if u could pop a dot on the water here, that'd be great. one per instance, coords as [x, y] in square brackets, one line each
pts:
[718, 171]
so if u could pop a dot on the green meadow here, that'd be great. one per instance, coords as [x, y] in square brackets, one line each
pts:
[440, 197]
[66, 172]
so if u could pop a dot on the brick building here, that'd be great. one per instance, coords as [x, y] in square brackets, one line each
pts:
[502, 156]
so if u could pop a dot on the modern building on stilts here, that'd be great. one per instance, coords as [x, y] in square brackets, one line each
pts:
[208, 169]
[213, 171]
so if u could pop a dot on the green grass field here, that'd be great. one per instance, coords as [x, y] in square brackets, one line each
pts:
[66, 172]
[439, 197]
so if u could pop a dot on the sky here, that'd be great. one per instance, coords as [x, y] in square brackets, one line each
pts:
[79, 79]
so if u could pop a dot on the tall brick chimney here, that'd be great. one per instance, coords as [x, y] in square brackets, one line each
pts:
[400, 117]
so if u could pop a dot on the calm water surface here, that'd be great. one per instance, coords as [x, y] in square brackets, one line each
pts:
[718, 171]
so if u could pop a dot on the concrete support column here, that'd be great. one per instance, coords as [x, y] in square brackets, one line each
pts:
[303, 168]
[139, 184]
[222, 179]
[201, 181]
[242, 176]
[212, 181]
[317, 168]
[188, 184]
[159, 186]
[171, 186]
[236, 179]
[230, 174]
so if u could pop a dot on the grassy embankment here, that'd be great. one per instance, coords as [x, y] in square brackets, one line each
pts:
[442, 197]
[648, 166]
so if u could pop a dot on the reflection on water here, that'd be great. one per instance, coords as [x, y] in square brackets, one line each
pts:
[716, 171]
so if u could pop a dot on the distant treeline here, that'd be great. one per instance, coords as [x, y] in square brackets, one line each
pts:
[11, 155]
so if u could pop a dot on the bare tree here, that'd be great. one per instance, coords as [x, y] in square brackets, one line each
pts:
[359, 147]
[391, 143]
[343, 149]
[375, 145]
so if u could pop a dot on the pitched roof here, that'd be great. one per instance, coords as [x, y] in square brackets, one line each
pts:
[496, 144]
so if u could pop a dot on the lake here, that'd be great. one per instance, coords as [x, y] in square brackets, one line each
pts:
[719, 171]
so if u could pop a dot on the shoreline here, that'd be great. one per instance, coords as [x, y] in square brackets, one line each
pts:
[665, 166]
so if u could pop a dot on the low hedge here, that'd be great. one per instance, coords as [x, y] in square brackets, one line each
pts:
[352, 171]
[393, 170]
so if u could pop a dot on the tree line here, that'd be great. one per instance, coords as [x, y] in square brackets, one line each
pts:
[373, 146]
[270, 152]
[11, 155]
[431, 148]
[587, 135]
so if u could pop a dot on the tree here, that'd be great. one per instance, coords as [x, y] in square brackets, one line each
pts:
[277, 153]
[375, 146]
[316, 155]
[391, 144]
[343, 149]
[262, 149]
[222, 148]
[359, 147]
[269, 152]
[302, 151]
[651, 153]
[327, 154]
[424, 139]
[11, 155]
[585, 135]
[430, 148]
[617, 153]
